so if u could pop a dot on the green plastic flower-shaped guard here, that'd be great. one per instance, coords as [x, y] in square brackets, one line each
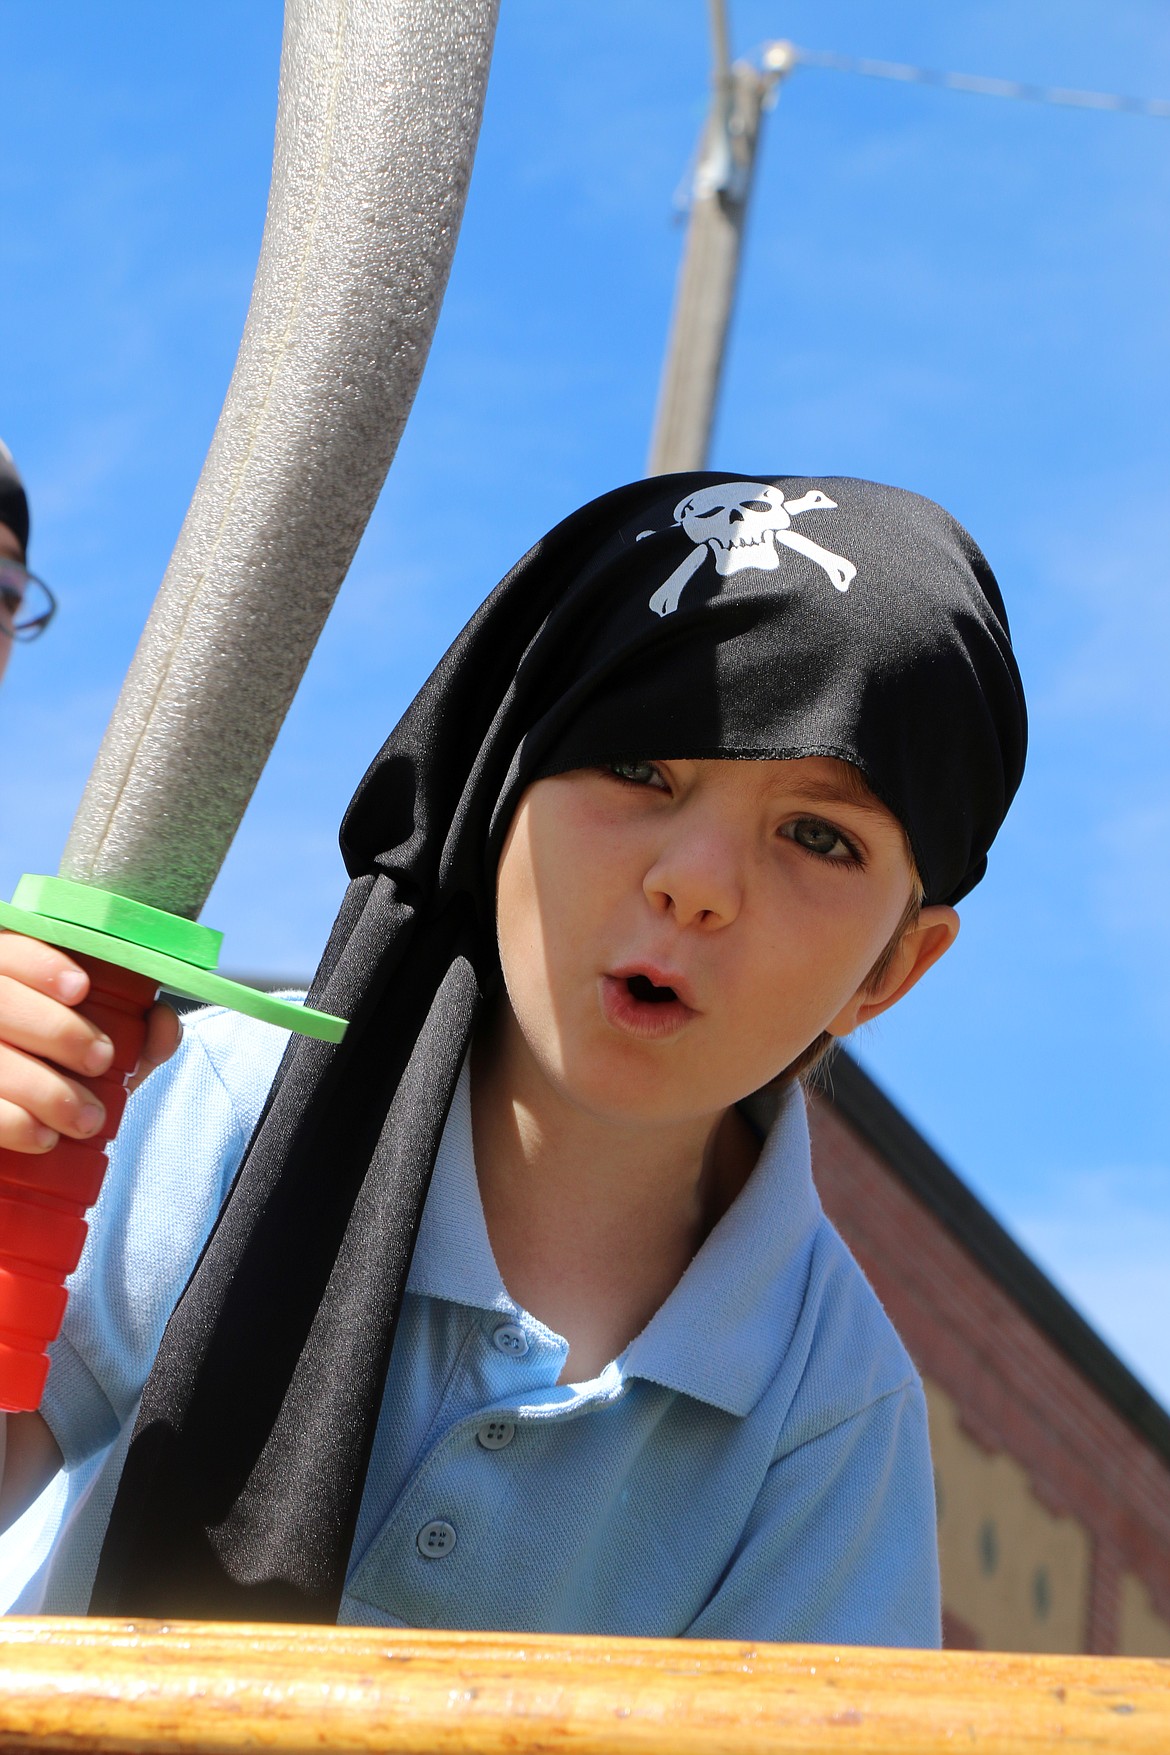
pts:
[177, 954]
[129, 950]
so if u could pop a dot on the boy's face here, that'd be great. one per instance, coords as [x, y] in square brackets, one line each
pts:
[674, 934]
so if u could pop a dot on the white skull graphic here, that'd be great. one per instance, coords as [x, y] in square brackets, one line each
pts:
[738, 520]
[741, 523]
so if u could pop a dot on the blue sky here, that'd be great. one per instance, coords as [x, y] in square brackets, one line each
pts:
[964, 296]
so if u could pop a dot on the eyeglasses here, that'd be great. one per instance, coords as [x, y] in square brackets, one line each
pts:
[27, 606]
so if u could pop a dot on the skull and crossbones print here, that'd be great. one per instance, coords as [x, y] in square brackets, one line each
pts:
[740, 523]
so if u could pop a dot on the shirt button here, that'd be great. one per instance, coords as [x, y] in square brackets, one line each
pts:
[495, 1434]
[435, 1539]
[510, 1338]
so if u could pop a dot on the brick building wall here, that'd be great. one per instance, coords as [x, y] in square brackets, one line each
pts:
[1053, 1463]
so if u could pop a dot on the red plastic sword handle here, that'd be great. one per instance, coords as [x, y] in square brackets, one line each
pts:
[43, 1197]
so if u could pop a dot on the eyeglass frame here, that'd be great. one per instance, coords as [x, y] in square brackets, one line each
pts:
[24, 632]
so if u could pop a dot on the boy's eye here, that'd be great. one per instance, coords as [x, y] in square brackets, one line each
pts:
[819, 837]
[637, 773]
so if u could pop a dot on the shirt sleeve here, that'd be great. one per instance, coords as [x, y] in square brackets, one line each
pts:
[841, 1547]
[176, 1153]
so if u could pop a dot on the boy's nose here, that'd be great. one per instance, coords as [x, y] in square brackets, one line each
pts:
[698, 880]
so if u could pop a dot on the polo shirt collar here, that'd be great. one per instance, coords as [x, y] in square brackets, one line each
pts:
[453, 1255]
[723, 1332]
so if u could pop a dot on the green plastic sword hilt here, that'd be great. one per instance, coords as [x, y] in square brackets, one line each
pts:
[179, 954]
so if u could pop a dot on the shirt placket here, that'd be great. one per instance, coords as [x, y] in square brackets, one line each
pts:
[508, 1370]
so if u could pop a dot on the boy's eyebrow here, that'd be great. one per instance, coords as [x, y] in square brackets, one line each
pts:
[851, 790]
[829, 792]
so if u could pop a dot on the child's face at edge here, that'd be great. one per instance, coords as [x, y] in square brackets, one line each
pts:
[761, 892]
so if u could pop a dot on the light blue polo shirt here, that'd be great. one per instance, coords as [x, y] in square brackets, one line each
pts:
[754, 1465]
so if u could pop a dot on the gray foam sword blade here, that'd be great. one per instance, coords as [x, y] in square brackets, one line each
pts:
[379, 113]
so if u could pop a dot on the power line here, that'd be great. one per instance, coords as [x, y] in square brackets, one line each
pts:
[782, 57]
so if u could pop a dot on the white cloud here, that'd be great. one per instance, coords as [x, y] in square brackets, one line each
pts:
[1095, 639]
[1104, 1237]
[1109, 612]
[1134, 856]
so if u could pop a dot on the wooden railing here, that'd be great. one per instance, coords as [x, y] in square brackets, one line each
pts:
[190, 1687]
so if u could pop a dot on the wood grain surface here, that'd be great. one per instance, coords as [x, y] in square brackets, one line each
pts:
[197, 1686]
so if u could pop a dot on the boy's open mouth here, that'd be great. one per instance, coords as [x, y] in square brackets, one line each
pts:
[642, 988]
[637, 1005]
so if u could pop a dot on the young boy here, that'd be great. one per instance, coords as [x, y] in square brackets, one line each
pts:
[691, 797]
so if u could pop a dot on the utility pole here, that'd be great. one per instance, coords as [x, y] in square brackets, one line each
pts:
[707, 280]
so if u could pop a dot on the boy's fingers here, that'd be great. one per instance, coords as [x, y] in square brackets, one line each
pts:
[40, 991]
[38, 1094]
[22, 1132]
[164, 1032]
[50, 970]
[39, 1024]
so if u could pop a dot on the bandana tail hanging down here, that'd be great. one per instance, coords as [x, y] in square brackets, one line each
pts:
[379, 113]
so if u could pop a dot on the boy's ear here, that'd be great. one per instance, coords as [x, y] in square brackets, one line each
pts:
[921, 946]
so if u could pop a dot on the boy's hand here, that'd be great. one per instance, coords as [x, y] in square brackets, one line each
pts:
[48, 1048]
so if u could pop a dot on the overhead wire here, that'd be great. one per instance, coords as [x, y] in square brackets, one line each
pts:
[783, 57]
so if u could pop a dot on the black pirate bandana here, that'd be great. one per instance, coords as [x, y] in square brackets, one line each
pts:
[688, 616]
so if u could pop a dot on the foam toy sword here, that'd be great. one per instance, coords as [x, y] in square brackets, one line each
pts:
[379, 112]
